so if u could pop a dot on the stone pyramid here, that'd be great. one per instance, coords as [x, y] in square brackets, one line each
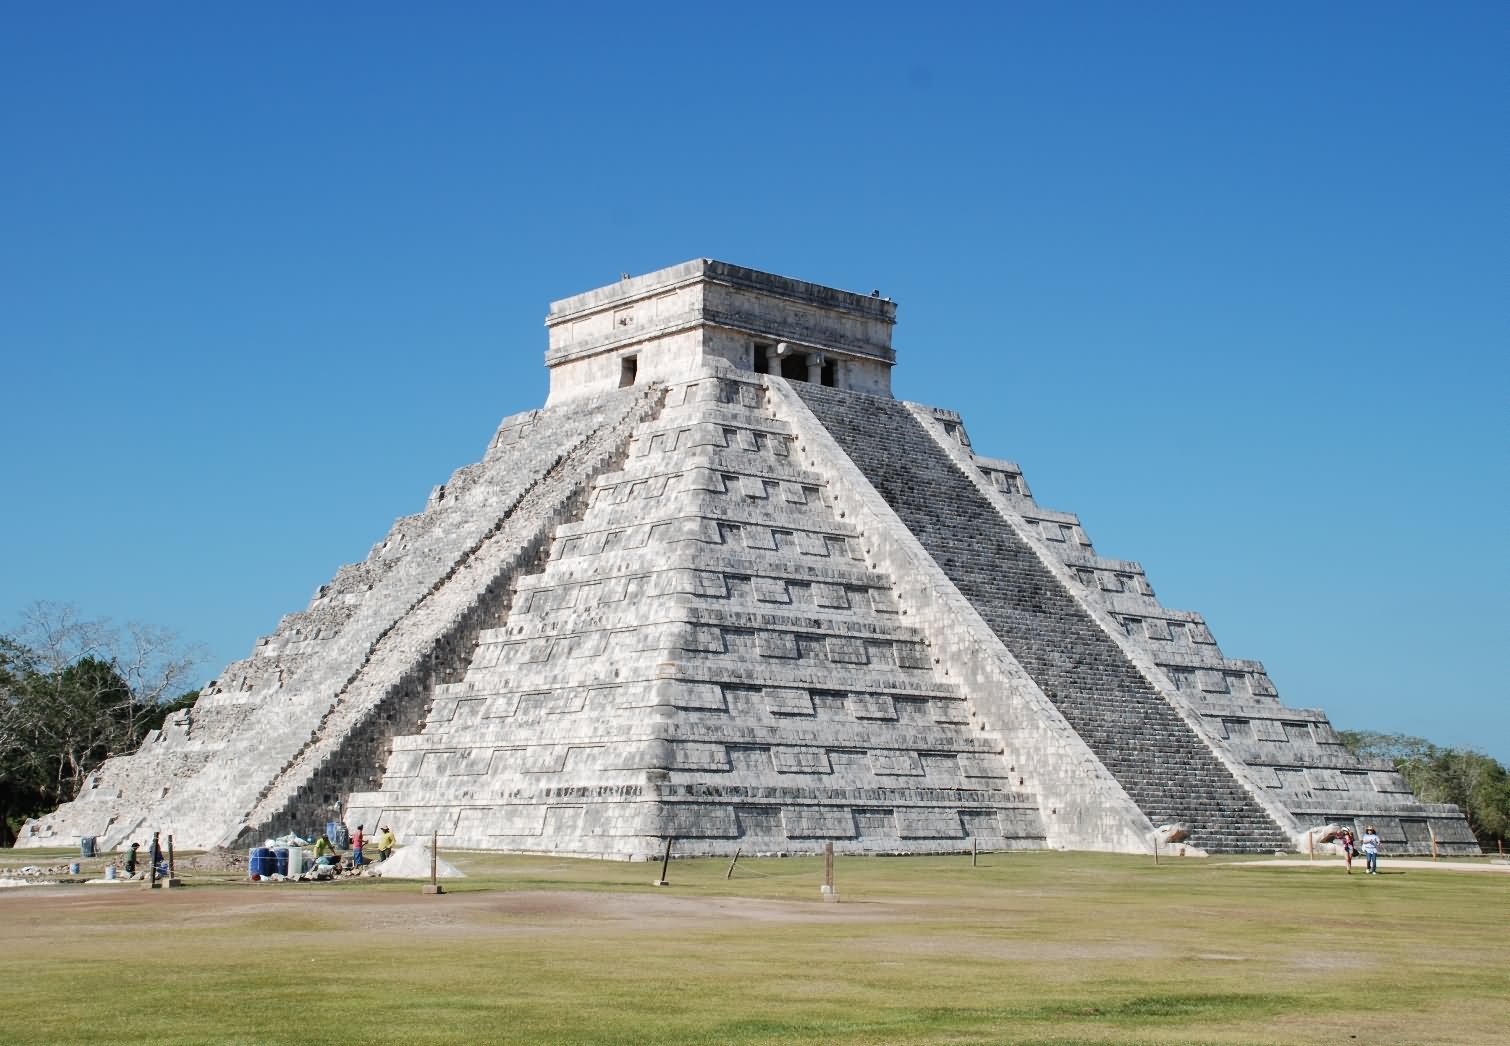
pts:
[725, 590]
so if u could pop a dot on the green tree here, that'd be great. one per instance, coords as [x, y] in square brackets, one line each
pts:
[1477, 784]
[21, 789]
[72, 693]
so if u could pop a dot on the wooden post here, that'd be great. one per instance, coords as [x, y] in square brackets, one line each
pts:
[828, 873]
[730, 873]
[172, 880]
[1502, 848]
[1156, 848]
[1433, 842]
[974, 850]
[433, 887]
[152, 860]
[666, 860]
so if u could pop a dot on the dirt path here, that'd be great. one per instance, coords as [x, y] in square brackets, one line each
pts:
[458, 914]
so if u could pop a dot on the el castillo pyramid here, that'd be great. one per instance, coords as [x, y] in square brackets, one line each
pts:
[724, 589]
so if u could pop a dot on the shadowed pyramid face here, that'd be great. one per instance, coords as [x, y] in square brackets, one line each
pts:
[725, 590]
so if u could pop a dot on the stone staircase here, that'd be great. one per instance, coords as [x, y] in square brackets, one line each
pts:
[1167, 769]
[704, 657]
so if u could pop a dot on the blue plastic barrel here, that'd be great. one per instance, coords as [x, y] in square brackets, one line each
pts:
[335, 831]
[280, 855]
[262, 861]
[86, 846]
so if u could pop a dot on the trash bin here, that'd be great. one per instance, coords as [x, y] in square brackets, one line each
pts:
[86, 845]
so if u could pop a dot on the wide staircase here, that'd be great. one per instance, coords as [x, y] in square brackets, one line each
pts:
[1144, 742]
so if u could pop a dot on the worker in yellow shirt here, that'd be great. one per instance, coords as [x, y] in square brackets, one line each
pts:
[325, 852]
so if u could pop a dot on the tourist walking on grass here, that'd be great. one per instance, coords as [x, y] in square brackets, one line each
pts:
[1347, 848]
[1371, 849]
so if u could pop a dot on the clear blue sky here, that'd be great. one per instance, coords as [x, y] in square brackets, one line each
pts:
[1231, 284]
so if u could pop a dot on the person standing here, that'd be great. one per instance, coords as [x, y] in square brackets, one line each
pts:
[1347, 848]
[131, 860]
[386, 842]
[356, 848]
[1371, 849]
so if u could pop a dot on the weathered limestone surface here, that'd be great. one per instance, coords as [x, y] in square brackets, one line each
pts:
[268, 723]
[1292, 754]
[669, 325]
[725, 590]
[1083, 805]
[706, 657]
[391, 691]
[1134, 731]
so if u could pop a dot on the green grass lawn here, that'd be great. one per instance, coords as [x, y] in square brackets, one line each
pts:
[1027, 948]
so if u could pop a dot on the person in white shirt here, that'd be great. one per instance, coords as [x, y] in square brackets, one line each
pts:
[1370, 842]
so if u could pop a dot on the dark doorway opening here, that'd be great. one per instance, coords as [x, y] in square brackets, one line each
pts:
[794, 368]
[629, 369]
[762, 359]
[831, 373]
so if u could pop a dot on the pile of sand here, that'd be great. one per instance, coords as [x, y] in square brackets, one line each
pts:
[413, 862]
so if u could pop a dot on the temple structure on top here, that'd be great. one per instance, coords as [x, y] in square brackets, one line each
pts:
[723, 589]
[669, 324]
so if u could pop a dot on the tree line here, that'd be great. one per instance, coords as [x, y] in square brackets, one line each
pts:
[72, 693]
[1478, 784]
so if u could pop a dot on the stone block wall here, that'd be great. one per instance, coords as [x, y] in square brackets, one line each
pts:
[201, 775]
[705, 657]
[392, 692]
[1293, 754]
[1147, 745]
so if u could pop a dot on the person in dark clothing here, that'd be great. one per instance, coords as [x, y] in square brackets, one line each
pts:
[131, 860]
